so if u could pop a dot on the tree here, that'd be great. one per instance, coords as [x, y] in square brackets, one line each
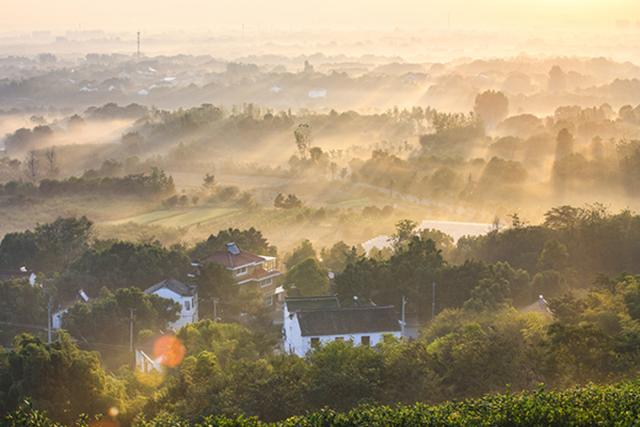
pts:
[557, 80]
[32, 165]
[338, 256]
[549, 283]
[52, 165]
[250, 240]
[491, 107]
[308, 277]
[301, 253]
[216, 282]
[105, 320]
[123, 264]
[405, 230]
[209, 181]
[289, 202]
[564, 145]
[554, 256]
[303, 137]
[20, 304]
[342, 375]
[59, 378]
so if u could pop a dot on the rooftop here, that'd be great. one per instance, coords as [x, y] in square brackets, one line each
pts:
[311, 303]
[233, 257]
[174, 285]
[348, 321]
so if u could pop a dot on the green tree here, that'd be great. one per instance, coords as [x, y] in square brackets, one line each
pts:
[301, 253]
[60, 379]
[308, 277]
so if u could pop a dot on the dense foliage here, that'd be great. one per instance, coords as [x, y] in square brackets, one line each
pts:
[591, 405]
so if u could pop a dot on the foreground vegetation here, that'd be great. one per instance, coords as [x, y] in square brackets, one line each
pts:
[591, 405]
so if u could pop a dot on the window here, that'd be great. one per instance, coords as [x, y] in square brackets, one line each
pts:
[266, 282]
[242, 271]
[315, 342]
[268, 300]
[365, 340]
[187, 305]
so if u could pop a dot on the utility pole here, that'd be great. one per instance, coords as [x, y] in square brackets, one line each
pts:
[403, 322]
[433, 300]
[49, 322]
[131, 330]
[215, 309]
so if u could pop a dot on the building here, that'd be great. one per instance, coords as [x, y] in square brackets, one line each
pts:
[250, 270]
[57, 316]
[310, 322]
[185, 295]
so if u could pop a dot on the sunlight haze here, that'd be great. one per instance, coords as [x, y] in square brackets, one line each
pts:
[211, 15]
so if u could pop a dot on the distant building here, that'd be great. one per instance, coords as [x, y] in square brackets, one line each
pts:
[250, 270]
[311, 321]
[185, 295]
[56, 316]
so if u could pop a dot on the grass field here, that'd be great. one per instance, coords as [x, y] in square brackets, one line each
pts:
[179, 217]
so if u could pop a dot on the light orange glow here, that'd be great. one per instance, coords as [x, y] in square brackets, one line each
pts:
[169, 350]
[21, 15]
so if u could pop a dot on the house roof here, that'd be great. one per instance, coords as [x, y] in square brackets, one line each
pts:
[234, 260]
[311, 303]
[174, 285]
[348, 321]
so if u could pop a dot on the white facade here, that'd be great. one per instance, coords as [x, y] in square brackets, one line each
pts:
[147, 365]
[56, 318]
[188, 306]
[297, 343]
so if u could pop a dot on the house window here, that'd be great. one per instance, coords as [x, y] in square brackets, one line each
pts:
[266, 282]
[268, 300]
[365, 340]
[187, 305]
[242, 271]
[315, 342]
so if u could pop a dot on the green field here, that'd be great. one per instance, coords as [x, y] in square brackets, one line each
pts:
[179, 217]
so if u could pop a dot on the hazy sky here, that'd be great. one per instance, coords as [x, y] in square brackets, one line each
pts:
[154, 15]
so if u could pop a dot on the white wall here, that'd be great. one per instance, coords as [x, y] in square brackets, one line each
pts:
[295, 343]
[185, 316]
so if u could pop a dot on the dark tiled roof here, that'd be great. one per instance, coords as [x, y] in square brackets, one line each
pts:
[232, 261]
[348, 321]
[175, 285]
[312, 303]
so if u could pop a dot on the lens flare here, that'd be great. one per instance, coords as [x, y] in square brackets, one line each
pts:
[169, 351]
[113, 412]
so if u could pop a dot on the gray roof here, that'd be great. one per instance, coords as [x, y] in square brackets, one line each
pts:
[174, 285]
[348, 321]
[311, 303]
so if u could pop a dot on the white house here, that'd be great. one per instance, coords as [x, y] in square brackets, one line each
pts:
[310, 322]
[185, 295]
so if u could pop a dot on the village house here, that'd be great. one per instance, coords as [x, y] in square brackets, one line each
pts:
[185, 295]
[311, 321]
[250, 270]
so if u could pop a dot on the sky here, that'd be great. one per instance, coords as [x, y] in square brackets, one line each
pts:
[212, 15]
